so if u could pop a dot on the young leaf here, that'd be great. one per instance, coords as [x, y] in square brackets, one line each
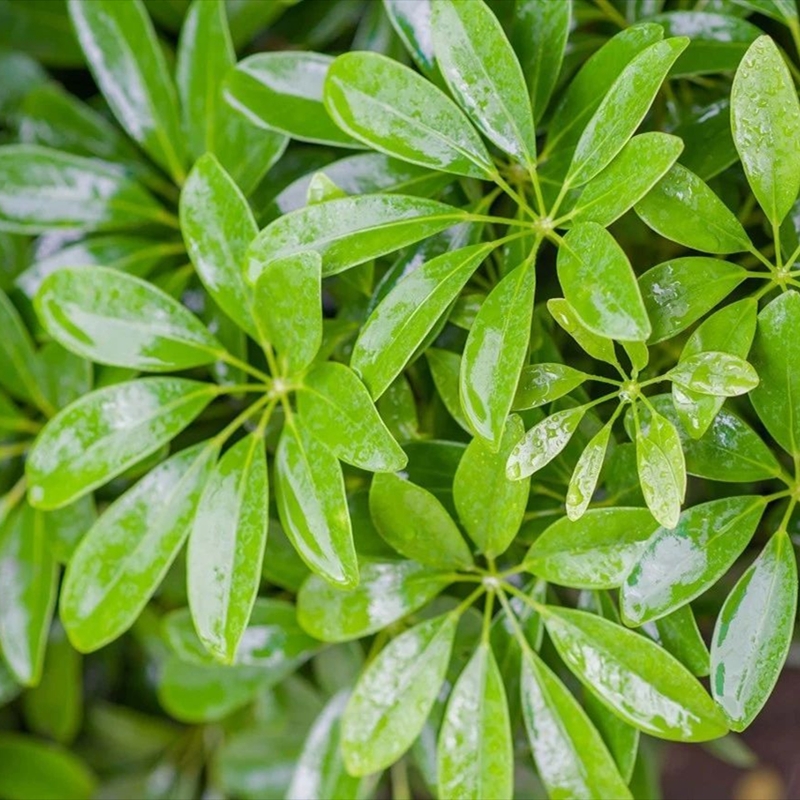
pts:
[765, 121]
[404, 318]
[639, 681]
[622, 109]
[284, 92]
[122, 560]
[311, 500]
[599, 284]
[104, 433]
[395, 695]
[495, 352]
[218, 226]
[398, 112]
[483, 74]
[336, 408]
[718, 374]
[583, 483]
[43, 190]
[475, 752]
[776, 399]
[226, 547]
[683, 208]
[540, 384]
[113, 318]
[678, 565]
[571, 758]
[288, 307]
[543, 442]
[416, 524]
[598, 347]
[662, 469]
[30, 578]
[351, 231]
[127, 62]
[753, 633]
[386, 592]
[596, 551]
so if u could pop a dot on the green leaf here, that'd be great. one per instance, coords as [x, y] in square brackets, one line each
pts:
[583, 483]
[765, 122]
[104, 433]
[122, 560]
[395, 695]
[445, 369]
[398, 112]
[661, 467]
[678, 292]
[288, 307]
[639, 681]
[543, 442]
[403, 319]
[386, 592]
[490, 506]
[570, 756]
[226, 547]
[683, 208]
[311, 500]
[336, 408]
[754, 632]
[598, 347]
[113, 318]
[416, 524]
[621, 739]
[678, 633]
[43, 189]
[676, 566]
[715, 373]
[596, 551]
[495, 352]
[600, 285]
[30, 578]
[129, 66]
[540, 384]
[284, 92]
[33, 768]
[539, 35]
[775, 358]
[351, 231]
[638, 167]
[706, 135]
[320, 771]
[218, 226]
[729, 330]
[411, 22]
[475, 752]
[483, 74]
[622, 109]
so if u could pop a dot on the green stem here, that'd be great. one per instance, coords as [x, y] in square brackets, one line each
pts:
[611, 13]
[514, 195]
[238, 421]
[229, 358]
[487, 616]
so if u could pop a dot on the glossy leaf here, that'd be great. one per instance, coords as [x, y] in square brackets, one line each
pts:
[475, 752]
[683, 208]
[404, 318]
[677, 565]
[113, 318]
[416, 524]
[598, 347]
[678, 633]
[395, 111]
[765, 121]
[638, 680]
[753, 633]
[543, 442]
[395, 694]
[129, 66]
[540, 384]
[226, 547]
[386, 592]
[583, 483]
[288, 307]
[445, 370]
[715, 373]
[104, 433]
[495, 351]
[599, 284]
[335, 408]
[309, 491]
[571, 758]
[121, 561]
